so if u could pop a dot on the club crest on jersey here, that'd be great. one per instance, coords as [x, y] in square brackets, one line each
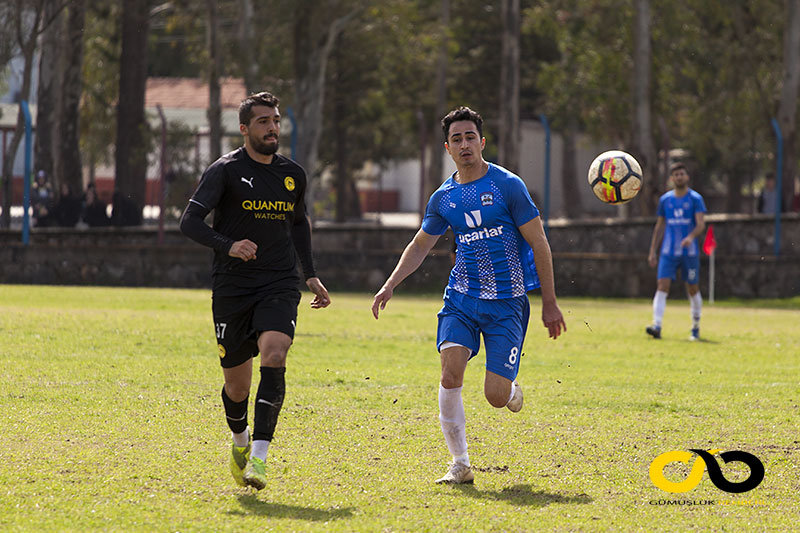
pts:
[473, 218]
[487, 198]
[248, 181]
[288, 181]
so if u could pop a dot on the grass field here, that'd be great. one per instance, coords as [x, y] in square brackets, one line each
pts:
[112, 419]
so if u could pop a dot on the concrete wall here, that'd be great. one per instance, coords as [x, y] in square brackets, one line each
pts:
[591, 258]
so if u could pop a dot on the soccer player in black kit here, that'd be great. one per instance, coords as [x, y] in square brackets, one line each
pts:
[260, 231]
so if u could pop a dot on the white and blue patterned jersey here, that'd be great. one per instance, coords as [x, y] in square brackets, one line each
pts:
[493, 260]
[679, 214]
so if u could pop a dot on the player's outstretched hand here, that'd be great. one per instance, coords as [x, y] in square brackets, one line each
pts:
[553, 319]
[379, 302]
[244, 250]
[321, 298]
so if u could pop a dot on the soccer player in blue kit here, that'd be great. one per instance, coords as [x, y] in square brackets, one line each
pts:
[681, 219]
[502, 253]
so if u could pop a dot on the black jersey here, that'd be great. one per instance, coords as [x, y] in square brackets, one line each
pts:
[255, 201]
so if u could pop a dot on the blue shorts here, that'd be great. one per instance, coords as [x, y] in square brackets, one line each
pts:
[689, 266]
[502, 322]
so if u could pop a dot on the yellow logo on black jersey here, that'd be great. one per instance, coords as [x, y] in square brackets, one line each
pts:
[288, 181]
[222, 352]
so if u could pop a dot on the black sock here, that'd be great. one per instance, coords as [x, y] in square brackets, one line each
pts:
[235, 413]
[269, 401]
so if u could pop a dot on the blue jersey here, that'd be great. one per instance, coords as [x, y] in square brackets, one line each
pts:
[493, 260]
[679, 214]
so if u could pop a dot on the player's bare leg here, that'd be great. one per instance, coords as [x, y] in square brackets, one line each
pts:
[451, 413]
[273, 346]
[502, 392]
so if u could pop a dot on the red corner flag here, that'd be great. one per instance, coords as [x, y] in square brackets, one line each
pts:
[709, 243]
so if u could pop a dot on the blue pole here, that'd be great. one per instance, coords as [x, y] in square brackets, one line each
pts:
[26, 177]
[290, 112]
[779, 185]
[546, 205]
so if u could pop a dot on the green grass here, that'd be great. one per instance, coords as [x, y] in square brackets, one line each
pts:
[113, 421]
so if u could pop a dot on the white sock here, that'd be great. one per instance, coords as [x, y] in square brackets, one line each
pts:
[260, 448]
[659, 304]
[454, 423]
[463, 459]
[696, 302]
[241, 439]
[511, 395]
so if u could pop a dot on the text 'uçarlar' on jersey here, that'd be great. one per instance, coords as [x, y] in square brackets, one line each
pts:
[493, 260]
[680, 215]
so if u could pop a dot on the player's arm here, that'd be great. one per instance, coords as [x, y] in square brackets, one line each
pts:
[700, 226]
[410, 260]
[301, 236]
[655, 240]
[533, 233]
[193, 226]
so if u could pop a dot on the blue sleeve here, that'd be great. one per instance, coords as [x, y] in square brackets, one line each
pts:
[519, 202]
[661, 210]
[434, 223]
[700, 205]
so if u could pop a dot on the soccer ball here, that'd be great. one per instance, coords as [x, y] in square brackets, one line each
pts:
[615, 177]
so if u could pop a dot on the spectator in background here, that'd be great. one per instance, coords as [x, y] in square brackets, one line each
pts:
[42, 200]
[124, 211]
[768, 197]
[94, 209]
[67, 211]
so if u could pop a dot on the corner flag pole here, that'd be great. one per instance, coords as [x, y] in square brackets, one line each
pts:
[711, 278]
[709, 246]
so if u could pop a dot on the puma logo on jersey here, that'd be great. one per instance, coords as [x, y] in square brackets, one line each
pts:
[249, 182]
[473, 218]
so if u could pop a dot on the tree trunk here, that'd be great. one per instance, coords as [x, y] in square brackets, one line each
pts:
[342, 171]
[246, 49]
[69, 153]
[312, 51]
[508, 133]
[131, 151]
[643, 145]
[436, 148]
[26, 39]
[570, 180]
[787, 111]
[48, 100]
[214, 73]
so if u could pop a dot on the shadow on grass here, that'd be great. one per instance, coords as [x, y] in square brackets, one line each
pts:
[523, 495]
[252, 505]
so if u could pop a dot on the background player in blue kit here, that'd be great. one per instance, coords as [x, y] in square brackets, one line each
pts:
[681, 219]
[502, 254]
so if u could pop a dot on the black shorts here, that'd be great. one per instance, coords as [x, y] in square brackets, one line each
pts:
[238, 320]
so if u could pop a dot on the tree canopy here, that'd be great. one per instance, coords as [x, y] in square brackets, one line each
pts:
[718, 70]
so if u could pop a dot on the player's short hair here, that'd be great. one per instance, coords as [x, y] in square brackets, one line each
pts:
[461, 113]
[674, 167]
[246, 107]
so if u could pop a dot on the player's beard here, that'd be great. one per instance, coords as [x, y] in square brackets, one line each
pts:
[265, 148]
